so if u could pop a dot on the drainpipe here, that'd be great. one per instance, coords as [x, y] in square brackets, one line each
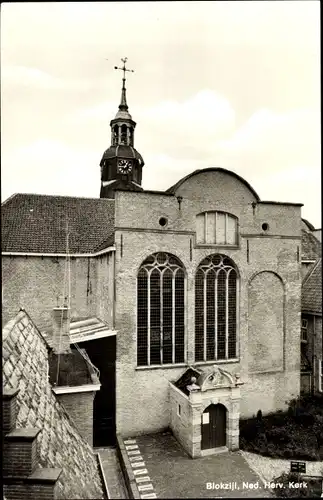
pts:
[314, 356]
[114, 289]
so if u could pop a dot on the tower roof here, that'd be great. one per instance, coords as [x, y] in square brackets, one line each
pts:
[122, 151]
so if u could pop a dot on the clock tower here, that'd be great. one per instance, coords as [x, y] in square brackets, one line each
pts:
[121, 164]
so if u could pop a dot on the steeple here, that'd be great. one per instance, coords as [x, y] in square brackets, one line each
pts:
[121, 165]
[123, 106]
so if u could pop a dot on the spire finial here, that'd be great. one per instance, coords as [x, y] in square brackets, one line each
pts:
[123, 104]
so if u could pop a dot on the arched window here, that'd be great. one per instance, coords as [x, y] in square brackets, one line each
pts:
[216, 228]
[131, 136]
[216, 302]
[123, 134]
[160, 310]
[115, 135]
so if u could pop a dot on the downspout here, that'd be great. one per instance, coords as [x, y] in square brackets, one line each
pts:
[114, 290]
[314, 357]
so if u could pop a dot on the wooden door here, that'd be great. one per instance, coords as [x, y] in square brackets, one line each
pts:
[213, 427]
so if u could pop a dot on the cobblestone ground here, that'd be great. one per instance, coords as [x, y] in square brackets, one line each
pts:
[113, 473]
[175, 475]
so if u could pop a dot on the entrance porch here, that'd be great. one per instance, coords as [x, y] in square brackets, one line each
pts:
[205, 410]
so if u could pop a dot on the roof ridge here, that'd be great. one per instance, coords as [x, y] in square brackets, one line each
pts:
[309, 225]
[306, 278]
[8, 199]
[59, 196]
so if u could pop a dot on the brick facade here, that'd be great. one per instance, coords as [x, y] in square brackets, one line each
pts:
[79, 406]
[268, 262]
[143, 394]
[31, 281]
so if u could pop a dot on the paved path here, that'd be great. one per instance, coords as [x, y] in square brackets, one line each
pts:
[175, 475]
[113, 473]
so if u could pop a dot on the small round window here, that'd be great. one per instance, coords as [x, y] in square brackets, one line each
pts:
[163, 221]
[265, 226]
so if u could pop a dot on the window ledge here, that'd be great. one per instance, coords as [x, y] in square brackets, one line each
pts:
[162, 367]
[216, 362]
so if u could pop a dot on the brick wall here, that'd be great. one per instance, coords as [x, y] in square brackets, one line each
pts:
[30, 492]
[277, 250]
[266, 344]
[105, 288]
[59, 444]
[31, 281]
[79, 406]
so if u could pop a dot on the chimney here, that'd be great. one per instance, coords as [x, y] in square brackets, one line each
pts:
[61, 329]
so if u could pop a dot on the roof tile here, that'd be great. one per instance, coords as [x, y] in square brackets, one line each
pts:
[311, 247]
[33, 223]
[312, 290]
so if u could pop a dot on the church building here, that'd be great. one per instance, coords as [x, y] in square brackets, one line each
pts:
[197, 288]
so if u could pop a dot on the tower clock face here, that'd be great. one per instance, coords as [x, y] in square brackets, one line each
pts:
[124, 166]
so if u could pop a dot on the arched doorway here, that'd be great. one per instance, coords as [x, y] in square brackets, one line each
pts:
[213, 427]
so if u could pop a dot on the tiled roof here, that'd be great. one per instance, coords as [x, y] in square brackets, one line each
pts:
[308, 225]
[311, 247]
[34, 223]
[312, 290]
[59, 444]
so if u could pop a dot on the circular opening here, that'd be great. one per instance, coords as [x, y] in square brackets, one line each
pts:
[265, 226]
[163, 221]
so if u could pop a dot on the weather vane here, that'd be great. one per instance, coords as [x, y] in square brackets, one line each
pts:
[124, 69]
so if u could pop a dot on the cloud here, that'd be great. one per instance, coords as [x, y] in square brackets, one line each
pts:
[36, 78]
[271, 141]
[56, 169]
[206, 115]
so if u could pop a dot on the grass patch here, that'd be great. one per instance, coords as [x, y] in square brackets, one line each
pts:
[294, 434]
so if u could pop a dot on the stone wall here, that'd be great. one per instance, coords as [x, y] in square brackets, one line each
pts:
[277, 250]
[180, 420]
[59, 444]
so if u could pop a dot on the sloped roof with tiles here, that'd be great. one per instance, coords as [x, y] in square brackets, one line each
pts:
[59, 444]
[33, 223]
[311, 247]
[312, 290]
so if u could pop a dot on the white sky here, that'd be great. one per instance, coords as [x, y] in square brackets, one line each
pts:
[228, 84]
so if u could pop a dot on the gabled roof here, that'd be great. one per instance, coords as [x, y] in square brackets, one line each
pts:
[311, 247]
[312, 290]
[33, 223]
